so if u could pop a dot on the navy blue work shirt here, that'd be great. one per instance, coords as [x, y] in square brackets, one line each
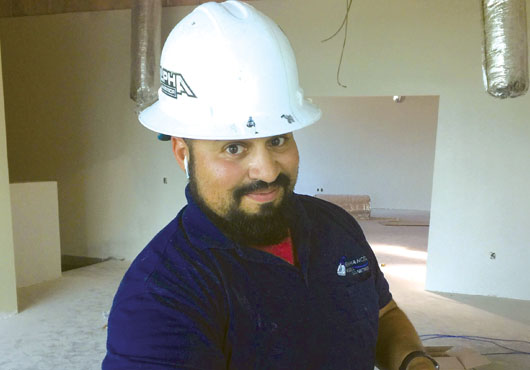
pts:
[193, 299]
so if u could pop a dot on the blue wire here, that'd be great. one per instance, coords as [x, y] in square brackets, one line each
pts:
[502, 353]
[481, 339]
[478, 340]
[478, 337]
[426, 337]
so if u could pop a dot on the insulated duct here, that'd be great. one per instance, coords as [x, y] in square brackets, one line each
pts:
[145, 51]
[505, 48]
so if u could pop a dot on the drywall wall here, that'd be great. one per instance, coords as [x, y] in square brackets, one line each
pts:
[8, 285]
[70, 120]
[481, 198]
[482, 159]
[35, 215]
[380, 148]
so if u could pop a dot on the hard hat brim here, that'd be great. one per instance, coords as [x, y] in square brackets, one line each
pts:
[156, 119]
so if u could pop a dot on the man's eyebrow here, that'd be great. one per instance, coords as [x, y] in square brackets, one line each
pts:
[222, 143]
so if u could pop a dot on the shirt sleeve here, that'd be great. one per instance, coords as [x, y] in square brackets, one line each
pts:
[171, 322]
[350, 225]
[381, 284]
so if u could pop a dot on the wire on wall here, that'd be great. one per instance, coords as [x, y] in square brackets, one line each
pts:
[345, 26]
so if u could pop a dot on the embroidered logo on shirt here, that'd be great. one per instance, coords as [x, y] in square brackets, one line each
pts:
[341, 270]
[354, 267]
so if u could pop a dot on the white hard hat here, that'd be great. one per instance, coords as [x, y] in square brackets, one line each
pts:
[227, 72]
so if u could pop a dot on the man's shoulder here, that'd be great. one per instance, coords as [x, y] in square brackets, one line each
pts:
[317, 202]
[159, 244]
[167, 260]
[171, 244]
[317, 207]
[324, 213]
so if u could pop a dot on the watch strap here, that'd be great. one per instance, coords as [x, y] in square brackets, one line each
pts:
[411, 356]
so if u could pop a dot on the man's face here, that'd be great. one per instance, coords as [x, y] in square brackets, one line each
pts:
[244, 185]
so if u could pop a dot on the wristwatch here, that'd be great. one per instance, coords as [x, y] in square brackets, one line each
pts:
[411, 356]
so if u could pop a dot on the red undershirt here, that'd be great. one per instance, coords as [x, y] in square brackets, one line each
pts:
[284, 250]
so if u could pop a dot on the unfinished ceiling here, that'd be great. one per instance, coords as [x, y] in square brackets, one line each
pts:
[22, 8]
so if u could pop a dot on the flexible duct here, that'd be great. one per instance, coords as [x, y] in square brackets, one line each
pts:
[145, 51]
[505, 48]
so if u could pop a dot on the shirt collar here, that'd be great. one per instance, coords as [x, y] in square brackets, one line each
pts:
[199, 229]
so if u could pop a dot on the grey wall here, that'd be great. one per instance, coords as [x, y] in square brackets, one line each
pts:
[8, 284]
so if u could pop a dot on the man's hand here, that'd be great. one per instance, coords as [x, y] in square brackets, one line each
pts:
[396, 339]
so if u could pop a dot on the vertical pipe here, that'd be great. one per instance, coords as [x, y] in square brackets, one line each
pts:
[505, 48]
[145, 50]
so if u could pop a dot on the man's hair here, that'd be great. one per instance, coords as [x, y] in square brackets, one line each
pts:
[188, 142]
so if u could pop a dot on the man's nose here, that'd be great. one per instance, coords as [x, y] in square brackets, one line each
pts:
[263, 166]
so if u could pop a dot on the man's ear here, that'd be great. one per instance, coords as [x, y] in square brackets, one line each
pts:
[180, 151]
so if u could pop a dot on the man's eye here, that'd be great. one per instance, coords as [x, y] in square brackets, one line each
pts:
[235, 149]
[278, 141]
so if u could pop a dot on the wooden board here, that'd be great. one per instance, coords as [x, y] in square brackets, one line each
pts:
[404, 223]
[23, 8]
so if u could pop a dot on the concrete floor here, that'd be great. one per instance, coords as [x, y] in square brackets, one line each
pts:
[62, 323]
[403, 252]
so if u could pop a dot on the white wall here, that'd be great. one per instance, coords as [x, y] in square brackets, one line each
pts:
[482, 163]
[373, 146]
[74, 97]
[36, 232]
[8, 287]
[481, 198]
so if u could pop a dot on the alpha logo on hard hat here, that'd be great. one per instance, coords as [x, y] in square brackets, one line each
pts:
[174, 84]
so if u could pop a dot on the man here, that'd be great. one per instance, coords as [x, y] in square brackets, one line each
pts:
[249, 275]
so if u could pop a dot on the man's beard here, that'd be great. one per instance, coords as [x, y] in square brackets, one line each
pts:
[268, 226]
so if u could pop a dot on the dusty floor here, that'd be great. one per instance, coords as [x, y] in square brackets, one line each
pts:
[403, 252]
[61, 323]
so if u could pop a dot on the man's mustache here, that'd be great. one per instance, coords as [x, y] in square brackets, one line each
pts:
[281, 181]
